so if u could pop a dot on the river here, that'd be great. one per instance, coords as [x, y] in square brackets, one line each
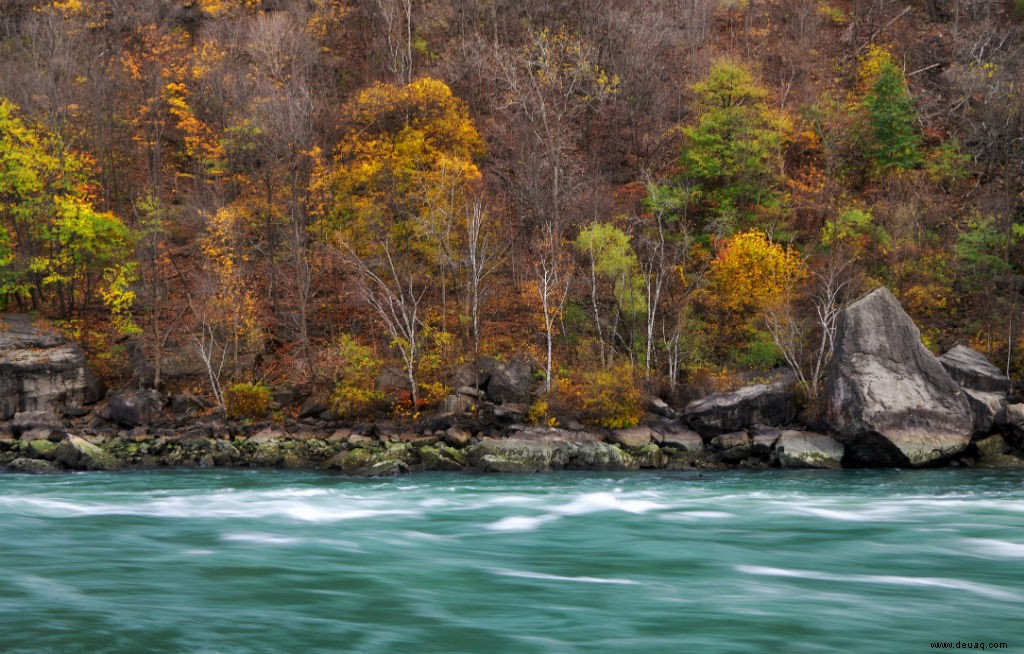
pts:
[297, 562]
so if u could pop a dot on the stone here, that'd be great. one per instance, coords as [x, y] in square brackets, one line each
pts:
[457, 437]
[994, 452]
[374, 461]
[455, 404]
[510, 382]
[634, 437]
[133, 408]
[659, 407]
[32, 466]
[40, 370]
[804, 449]
[886, 395]
[1013, 424]
[733, 447]
[763, 439]
[40, 449]
[79, 454]
[267, 435]
[475, 374]
[546, 450]
[987, 409]
[683, 440]
[972, 370]
[27, 421]
[721, 413]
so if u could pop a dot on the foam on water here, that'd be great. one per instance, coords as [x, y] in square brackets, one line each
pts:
[983, 590]
[525, 574]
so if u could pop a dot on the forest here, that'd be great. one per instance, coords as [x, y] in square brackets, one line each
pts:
[354, 198]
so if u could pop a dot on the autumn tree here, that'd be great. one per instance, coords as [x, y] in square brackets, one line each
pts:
[403, 169]
[894, 142]
[56, 245]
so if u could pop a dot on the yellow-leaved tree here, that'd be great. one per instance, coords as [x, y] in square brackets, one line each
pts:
[392, 199]
[753, 279]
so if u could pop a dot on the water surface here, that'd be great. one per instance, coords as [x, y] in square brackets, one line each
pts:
[236, 562]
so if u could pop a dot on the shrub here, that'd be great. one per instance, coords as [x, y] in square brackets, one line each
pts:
[605, 398]
[354, 394]
[247, 400]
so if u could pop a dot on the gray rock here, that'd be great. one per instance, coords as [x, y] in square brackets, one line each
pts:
[134, 407]
[26, 421]
[633, 437]
[683, 440]
[40, 370]
[887, 395]
[803, 449]
[79, 454]
[1013, 424]
[765, 404]
[546, 450]
[510, 382]
[763, 439]
[475, 374]
[267, 435]
[994, 452]
[457, 437]
[988, 410]
[455, 404]
[32, 466]
[659, 407]
[733, 447]
[973, 371]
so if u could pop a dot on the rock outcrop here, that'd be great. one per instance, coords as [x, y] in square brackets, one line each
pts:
[545, 450]
[41, 371]
[889, 398]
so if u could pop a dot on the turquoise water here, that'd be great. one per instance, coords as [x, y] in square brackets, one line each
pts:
[236, 561]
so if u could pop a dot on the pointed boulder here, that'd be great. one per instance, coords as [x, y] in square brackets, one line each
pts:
[889, 398]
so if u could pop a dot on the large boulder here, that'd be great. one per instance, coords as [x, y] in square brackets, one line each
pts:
[41, 371]
[985, 385]
[722, 413]
[803, 449]
[887, 395]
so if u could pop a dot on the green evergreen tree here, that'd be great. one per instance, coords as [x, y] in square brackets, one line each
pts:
[895, 142]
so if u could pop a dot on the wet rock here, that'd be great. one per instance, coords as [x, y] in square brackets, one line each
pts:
[32, 466]
[889, 398]
[804, 449]
[77, 453]
[765, 404]
[40, 370]
[995, 452]
[545, 450]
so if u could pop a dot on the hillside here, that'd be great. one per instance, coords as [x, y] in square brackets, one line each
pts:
[659, 197]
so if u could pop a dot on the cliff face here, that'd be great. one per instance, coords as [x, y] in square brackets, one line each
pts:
[40, 370]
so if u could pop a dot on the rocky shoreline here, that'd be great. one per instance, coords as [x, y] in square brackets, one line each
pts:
[889, 403]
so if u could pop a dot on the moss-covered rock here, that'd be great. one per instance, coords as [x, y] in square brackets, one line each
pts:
[77, 453]
[34, 466]
[39, 449]
[440, 457]
[396, 458]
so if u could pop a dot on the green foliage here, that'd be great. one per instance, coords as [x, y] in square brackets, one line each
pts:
[604, 398]
[947, 163]
[733, 152]
[247, 400]
[354, 393]
[614, 260]
[856, 231]
[895, 142]
[759, 353]
[53, 241]
[981, 250]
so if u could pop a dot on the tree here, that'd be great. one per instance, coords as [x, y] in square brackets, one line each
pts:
[406, 165]
[894, 143]
[733, 151]
[56, 244]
